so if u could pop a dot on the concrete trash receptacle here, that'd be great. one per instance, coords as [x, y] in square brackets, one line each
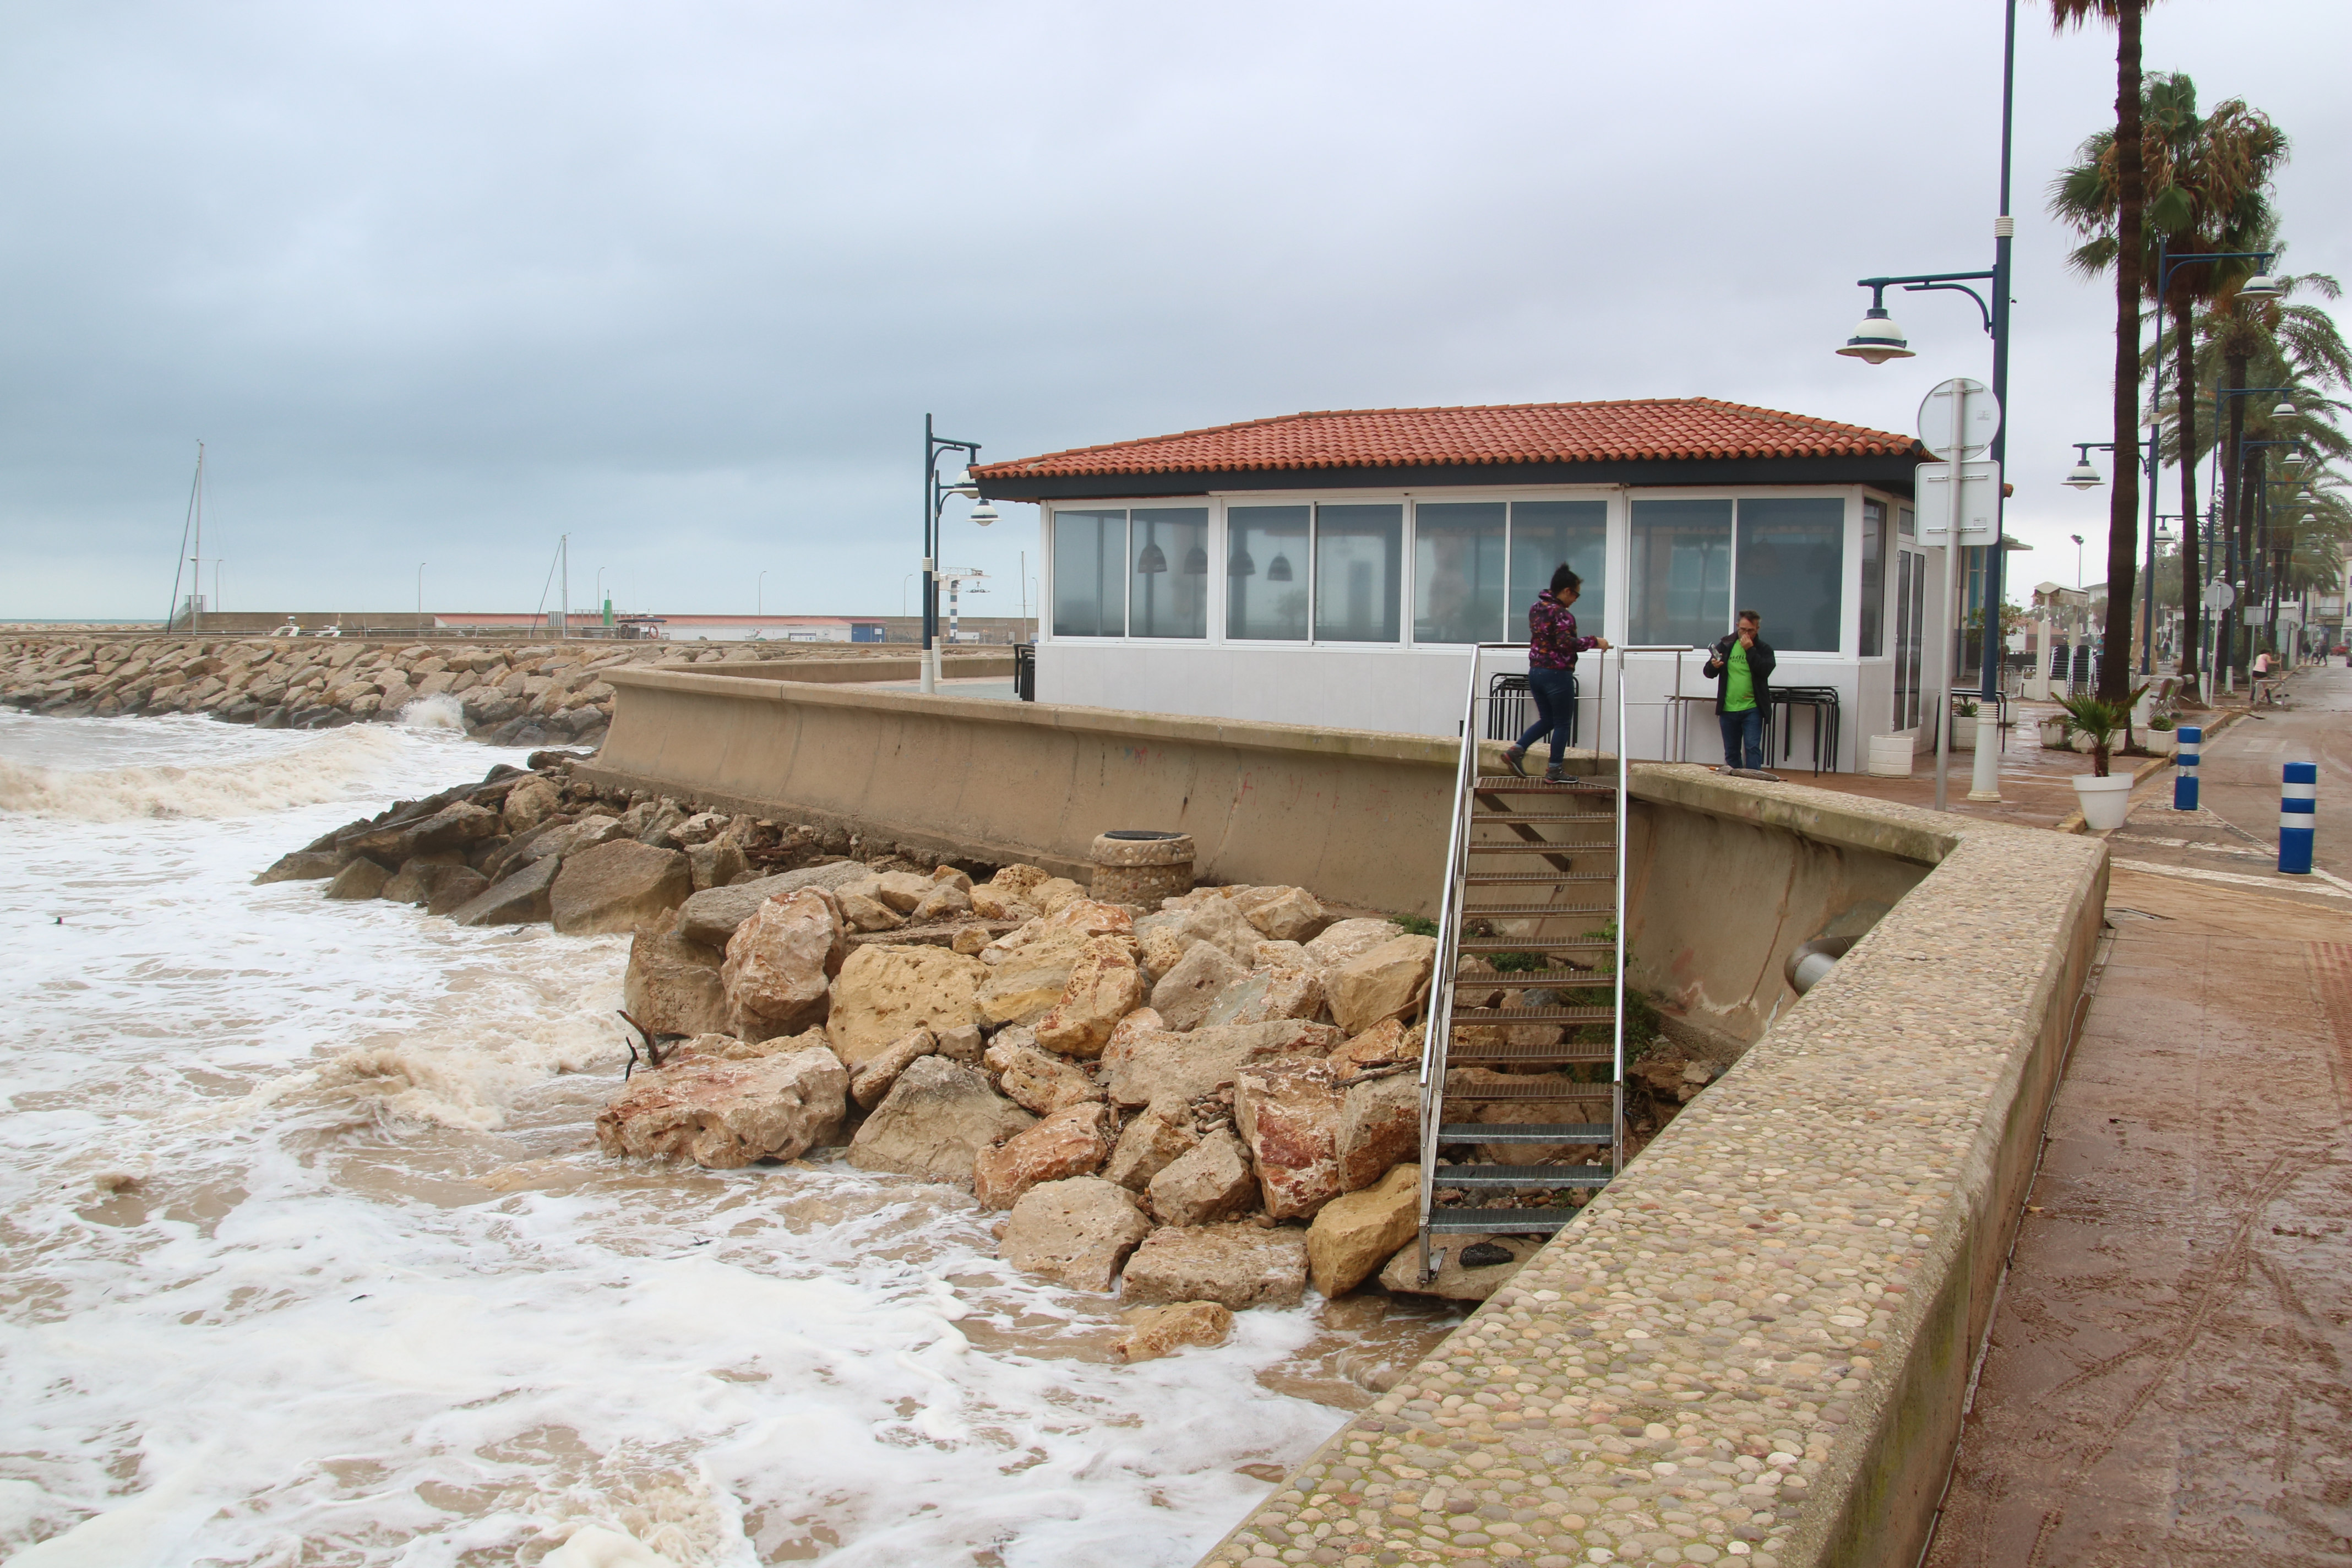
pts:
[1141, 866]
[1890, 756]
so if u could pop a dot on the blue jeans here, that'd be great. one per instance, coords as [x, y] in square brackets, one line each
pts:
[1743, 737]
[1555, 694]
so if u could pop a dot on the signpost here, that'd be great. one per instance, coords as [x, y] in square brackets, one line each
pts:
[2218, 597]
[1958, 421]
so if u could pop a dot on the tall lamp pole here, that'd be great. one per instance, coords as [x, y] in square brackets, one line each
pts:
[936, 491]
[420, 596]
[1878, 340]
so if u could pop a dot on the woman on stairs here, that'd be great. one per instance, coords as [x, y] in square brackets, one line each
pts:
[1552, 648]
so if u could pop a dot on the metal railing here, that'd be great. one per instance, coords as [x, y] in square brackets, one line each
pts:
[1437, 1032]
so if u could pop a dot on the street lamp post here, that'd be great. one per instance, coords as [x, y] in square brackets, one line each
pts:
[2086, 477]
[936, 491]
[2078, 562]
[420, 597]
[1879, 340]
[760, 597]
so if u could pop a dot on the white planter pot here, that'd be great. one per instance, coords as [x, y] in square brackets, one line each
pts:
[1964, 732]
[1890, 756]
[2054, 734]
[2163, 743]
[2105, 802]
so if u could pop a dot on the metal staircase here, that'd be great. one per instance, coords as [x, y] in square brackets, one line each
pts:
[1535, 879]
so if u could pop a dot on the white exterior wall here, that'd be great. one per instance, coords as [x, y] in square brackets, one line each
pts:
[1421, 690]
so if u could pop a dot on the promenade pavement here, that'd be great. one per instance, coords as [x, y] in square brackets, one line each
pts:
[2169, 1377]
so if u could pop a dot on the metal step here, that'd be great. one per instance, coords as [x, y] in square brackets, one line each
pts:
[1462, 1178]
[1541, 1091]
[1498, 1222]
[1520, 846]
[1530, 1015]
[1505, 944]
[1491, 879]
[1507, 1054]
[1535, 980]
[1525, 1132]
[1586, 817]
[1511, 784]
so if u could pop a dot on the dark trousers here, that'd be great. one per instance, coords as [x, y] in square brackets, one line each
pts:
[1555, 694]
[1743, 737]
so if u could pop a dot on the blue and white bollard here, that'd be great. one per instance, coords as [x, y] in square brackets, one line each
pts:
[2299, 799]
[2184, 782]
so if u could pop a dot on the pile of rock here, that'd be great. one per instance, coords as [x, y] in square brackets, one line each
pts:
[1213, 1102]
[537, 844]
[534, 695]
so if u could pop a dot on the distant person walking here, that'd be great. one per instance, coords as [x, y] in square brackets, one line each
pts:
[1552, 647]
[1741, 667]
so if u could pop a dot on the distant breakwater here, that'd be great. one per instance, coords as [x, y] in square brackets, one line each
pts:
[552, 693]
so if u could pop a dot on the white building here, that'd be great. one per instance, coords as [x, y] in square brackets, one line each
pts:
[1331, 568]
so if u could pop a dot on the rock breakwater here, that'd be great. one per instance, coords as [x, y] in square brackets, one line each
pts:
[524, 695]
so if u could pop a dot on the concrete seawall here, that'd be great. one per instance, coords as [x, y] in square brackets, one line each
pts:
[1755, 1345]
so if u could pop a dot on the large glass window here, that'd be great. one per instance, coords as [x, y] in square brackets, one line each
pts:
[1358, 572]
[1873, 578]
[1681, 576]
[1457, 572]
[1168, 571]
[1547, 534]
[1792, 570]
[1266, 571]
[1090, 577]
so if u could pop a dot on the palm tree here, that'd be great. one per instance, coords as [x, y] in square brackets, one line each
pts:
[2206, 179]
[2283, 344]
[2130, 231]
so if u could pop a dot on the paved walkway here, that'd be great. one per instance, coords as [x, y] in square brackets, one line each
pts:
[2169, 1375]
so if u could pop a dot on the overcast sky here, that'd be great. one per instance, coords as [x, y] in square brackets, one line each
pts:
[439, 282]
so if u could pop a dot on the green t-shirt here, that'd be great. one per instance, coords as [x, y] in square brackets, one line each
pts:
[1739, 695]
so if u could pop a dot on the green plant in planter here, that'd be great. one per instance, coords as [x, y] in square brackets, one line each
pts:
[2099, 720]
[1963, 710]
[2163, 722]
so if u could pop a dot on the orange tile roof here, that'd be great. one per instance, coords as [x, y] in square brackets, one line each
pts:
[1629, 429]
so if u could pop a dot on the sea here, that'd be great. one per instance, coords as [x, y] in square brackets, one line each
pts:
[308, 1255]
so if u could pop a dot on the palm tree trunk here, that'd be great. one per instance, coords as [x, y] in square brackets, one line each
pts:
[2233, 559]
[2184, 349]
[2124, 502]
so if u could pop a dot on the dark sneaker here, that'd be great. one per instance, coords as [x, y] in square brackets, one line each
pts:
[1554, 774]
[1512, 757]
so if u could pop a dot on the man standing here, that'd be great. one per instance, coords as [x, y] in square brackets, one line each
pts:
[1741, 667]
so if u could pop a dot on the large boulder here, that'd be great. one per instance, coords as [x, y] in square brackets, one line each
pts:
[1208, 917]
[1384, 981]
[902, 891]
[780, 963]
[935, 1121]
[461, 886]
[531, 803]
[1153, 1063]
[1037, 1079]
[883, 994]
[1071, 1142]
[1356, 1233]
[417, 882]
[672, 986]
[1385, 1044]
[1103, 987]
[305, 865]
[1455, 1280]
[617, 887]
[712, 916]
[1156, 1332]
[1267, 995]
[1152, 1142]
[1075, 1232]
[1289, 1117]
[725, 1112]
[516, 899]
[362, 879]
[1186, 992]
[1236, 1265]
[1292, 914]
[1380, 1124]
[1211, 1182]
[452, 828]
[878, 1077]
[715, 863]
[1027, 984]
[1346, 940]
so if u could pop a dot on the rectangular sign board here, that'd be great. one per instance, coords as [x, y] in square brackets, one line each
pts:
[1980, 501]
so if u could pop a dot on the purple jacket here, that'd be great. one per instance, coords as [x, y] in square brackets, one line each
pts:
[1552, 642]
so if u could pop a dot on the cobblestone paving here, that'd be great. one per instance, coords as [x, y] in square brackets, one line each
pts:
[1694, 1371]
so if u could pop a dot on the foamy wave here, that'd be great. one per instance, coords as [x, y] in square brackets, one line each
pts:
[334, 767]
[471, 1087]
[438, 711]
